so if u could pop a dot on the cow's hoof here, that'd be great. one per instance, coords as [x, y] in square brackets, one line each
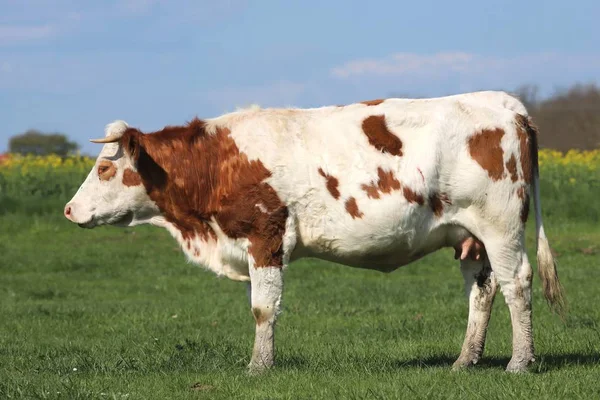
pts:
[464, 363]
[519, 365]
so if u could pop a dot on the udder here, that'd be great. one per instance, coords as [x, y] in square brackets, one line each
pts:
[469, 247]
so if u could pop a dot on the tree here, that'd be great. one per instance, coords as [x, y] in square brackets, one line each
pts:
[570, 119]
[38, 143]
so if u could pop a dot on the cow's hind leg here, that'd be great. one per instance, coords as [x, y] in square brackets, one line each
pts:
[513, 272]
[480, 286]
[265, 297]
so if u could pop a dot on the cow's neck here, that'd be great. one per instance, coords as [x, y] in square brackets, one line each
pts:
[190, 175]
[175, 167]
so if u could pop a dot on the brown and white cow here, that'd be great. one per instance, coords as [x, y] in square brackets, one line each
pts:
[373, 185]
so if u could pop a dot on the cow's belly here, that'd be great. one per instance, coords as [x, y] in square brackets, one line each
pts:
[375, 255]
[386, 262]
[385, 238]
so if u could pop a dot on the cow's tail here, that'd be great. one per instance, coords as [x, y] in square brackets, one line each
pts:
[553, 291]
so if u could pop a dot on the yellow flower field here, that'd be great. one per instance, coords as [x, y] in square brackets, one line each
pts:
[32, 164]
[573, 158]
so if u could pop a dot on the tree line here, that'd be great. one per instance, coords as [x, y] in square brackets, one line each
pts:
[569, 119]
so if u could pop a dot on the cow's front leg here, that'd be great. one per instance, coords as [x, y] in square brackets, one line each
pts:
[266, 286]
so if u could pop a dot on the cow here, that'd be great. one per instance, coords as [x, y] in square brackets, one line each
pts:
[376, 185]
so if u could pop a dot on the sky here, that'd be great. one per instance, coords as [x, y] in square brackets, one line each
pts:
[73, 66]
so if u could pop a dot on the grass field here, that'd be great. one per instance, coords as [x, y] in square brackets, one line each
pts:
[119, 314]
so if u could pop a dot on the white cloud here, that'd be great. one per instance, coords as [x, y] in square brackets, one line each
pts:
[452, 72]
[11, 34]
[400, 64]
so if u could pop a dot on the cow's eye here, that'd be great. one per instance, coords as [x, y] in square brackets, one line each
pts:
[102, 169]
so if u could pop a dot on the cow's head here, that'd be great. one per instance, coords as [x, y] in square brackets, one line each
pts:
[112, 193]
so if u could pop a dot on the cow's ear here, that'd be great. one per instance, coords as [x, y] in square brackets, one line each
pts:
[131, 144]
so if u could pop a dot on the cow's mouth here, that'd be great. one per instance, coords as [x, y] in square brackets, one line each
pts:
[87, 225]
[121, 220]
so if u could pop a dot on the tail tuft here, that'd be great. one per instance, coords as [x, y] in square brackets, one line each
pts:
[552, 288]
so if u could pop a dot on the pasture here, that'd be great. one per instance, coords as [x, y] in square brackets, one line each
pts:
[118, 313]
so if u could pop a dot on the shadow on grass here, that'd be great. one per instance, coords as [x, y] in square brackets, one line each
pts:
[543, 363]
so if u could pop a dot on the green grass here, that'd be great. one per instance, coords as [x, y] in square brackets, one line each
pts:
[119, 314]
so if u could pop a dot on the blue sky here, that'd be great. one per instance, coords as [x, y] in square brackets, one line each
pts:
[74, 66]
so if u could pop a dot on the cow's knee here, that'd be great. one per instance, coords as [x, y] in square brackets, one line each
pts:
[263, 315]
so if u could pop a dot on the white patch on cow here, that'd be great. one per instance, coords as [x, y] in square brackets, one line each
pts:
[117, 127]
[262, 208]
[223, 256]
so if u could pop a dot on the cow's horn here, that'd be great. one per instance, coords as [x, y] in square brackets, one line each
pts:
[114, 131]
[108, 139]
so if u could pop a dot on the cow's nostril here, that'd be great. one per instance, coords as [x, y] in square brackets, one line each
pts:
[67, 211]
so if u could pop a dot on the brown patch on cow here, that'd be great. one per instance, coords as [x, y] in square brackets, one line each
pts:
[523, 194]
[131, 178]
[411, 196]
[331, 183]
[527, 134]
[525, 208]
[485, 148]
[195, 177]
[259, 316]
[106, 170]
[386, 183]
[380, 136]
[511, 166]
[436, 202]
[352, 208]
[371, 189]
[525, 158]
[372, 102]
